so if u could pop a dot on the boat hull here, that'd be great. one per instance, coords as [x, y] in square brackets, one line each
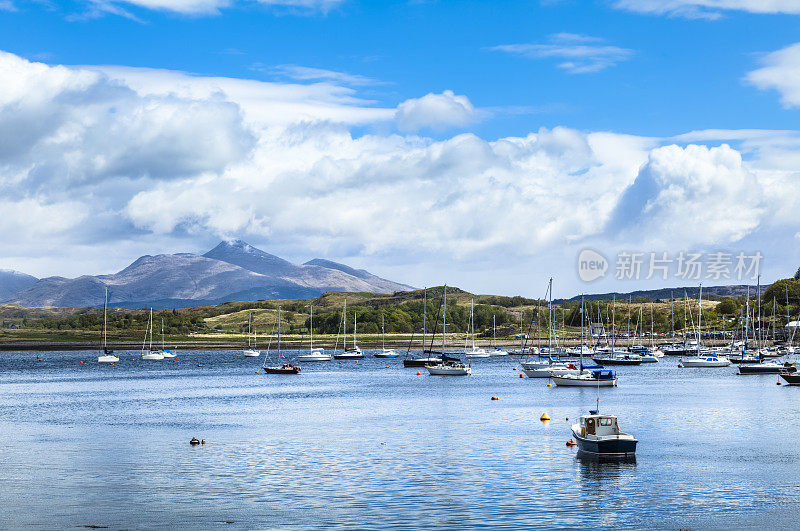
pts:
[281, 370]
[324, 357]
[438, 370]
[720, 362]
[791, 378]
[347, 356]
[606, 447]
[617, 361]
[251, 353]
[764, 368]
[567, 381]
[390, 354]
[420, 362]
[108, 358]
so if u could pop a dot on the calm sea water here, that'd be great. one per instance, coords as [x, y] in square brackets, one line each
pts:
[373, 445]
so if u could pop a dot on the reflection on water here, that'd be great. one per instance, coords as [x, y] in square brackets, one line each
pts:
[360, 445]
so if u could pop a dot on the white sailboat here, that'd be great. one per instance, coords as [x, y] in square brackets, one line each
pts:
[251, 351]
[108, 355]
[164, 352]
[385, 353]
[704, 357]
[151, 353]
[354, 353]
[475, 352]
[314, 354]
[496, 351]
[447, 366]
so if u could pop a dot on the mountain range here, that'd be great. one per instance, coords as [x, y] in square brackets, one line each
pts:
[233, 270]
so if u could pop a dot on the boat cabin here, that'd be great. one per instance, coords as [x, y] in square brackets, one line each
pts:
[599, 425]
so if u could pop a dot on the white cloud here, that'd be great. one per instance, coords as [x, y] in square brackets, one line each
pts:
[305, 73]
[435, 111]
[579, 54]
[781, 72]
[206, 7]
[686, 194]
[709, 8]
[100, 164]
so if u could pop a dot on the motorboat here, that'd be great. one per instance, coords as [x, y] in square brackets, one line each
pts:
[618, 357]
[708, 360]
[587, 378]
[599, 434]
[497, 352]
[250, 353]
[422, 362]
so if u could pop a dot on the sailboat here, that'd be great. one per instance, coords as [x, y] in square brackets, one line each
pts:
[250, 351]
[286, 368]
[108, 355]
[760, 365]
[447, 366]
[704, 358]
[431, 359]
[475, 352]
[617, 356]
[547, 366]
[164, 352]
[495, 350]
[594, 376]
[314, 354]
[150, 354]
[385, 353]
[355, 352]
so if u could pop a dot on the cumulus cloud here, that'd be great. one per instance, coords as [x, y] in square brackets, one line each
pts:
[781, 72]
[709, 8]
[686, 194]
[435, 111]
[579, 54]
[137, 161]
[62, 128]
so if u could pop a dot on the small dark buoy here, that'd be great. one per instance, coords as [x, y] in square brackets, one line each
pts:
[203, 441]
[571, 443]
[777, 383]
[194, 441]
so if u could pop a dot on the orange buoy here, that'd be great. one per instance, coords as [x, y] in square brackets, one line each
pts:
[495, 398]
[544, 417]
[680, 365]
[521, 375]
[418, 373]
[777, 383]
[571, 443]
[256, 372]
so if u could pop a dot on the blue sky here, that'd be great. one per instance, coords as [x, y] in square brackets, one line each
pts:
[647, 72]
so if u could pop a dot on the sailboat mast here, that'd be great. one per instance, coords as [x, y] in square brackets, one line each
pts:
[758, 287]
[613, 323]
[105, 319]
[311, 327]
[699, 317]
[424, 316]
[151, 328]
[629, 321]
[444, 320]
[279, 332]
[472, 322]
[355, 327]
[550, 317]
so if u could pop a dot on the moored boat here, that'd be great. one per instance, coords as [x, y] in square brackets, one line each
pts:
[588, 378]
[285, 368]
[599, 434]
[108, 355]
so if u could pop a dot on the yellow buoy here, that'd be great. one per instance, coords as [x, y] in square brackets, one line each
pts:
[549, 384]
[544, 417]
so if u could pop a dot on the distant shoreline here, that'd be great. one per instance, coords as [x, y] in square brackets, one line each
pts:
[295, 345]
